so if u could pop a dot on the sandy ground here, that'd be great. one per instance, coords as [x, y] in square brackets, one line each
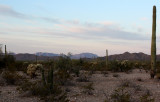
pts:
[103, 87]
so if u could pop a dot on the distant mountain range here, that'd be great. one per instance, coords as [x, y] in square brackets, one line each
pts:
[84, 55]
[45, 56]
[129, 56]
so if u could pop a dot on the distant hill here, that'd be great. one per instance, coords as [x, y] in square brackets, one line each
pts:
[84, 55]
[46, 54]
[130, 56]
[31, 57]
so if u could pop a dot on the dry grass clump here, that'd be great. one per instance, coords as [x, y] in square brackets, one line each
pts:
[83, 77]
[88, 89]
[116, 75]
[139, 79]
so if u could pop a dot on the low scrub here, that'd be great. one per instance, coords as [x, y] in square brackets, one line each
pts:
[88, 88]
[12, 78]
[121, 95]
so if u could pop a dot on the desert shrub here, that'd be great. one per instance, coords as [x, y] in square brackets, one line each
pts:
[25, 86]
[84, 77]
[114, 65]
[120, 95]
[115, 75]
[43, 91]
[142, 65]
[122, 66]
[125, 65]
[9, 62]
[38, 89]
[76, 70]
[139, 79]
[88, 88]
[146, 98]
[63, 63]
[125, 83]
[105, 73]
[11, 78]
[62, 77]
[55, 98]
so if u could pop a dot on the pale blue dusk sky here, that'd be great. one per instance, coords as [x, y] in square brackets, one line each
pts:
[62, 26]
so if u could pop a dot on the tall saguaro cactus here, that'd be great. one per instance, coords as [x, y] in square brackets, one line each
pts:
[153, 44]
[106, 58]
[5, 50]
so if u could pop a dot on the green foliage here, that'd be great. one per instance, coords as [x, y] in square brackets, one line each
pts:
[122, 66]
[56, 94]
[63, 63]
[125, 65]
[47, 81]
[153, 42]
[114, 66]
[62, 76]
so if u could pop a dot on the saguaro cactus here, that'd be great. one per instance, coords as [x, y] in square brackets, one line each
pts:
[5, 50]
[153, 44]
[106, 58]
[36, 59]
[49, 80]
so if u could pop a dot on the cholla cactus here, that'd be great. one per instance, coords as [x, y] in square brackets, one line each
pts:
[124, 63]
[32, 68]
[49, 80]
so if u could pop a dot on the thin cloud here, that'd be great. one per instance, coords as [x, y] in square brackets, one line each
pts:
[76, 29]
[51, 20]
[144, 18]
[8, 11]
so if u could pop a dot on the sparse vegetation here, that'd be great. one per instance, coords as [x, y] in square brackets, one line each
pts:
[121, 95]
[88, 88]
[115, 75]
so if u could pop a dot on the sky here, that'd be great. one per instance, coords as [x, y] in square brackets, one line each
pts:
[76, 26]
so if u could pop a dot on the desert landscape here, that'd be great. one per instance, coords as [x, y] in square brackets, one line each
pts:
[79, 51]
